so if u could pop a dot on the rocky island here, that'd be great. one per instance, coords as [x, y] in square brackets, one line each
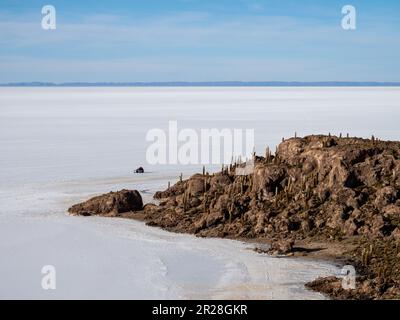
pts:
[339, 196]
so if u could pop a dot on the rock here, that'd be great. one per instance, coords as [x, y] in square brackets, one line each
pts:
[396, 236]
[222, 203]
[282, 247]
[196, 185]
[329, 285]
[267, 180]
[321, 188]
[150, 208]
[350, 228]
[260, 222]
[194, 202]
[306, 225]
[139, 170]
[392, 212]
[219, 181]
[214, 218]
[386, 196]
[376, 226]
[109, 204]
[175, 190]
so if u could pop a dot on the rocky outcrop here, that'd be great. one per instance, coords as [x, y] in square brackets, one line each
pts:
[317, 187]
[110, 204]
[322, 188]
[139, 170]
[378, 273]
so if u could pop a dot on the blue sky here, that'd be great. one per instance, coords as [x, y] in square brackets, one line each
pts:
[199, 40]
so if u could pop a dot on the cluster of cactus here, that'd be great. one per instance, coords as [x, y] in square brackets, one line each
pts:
[384, 269]
[246, 182]
[315, 179]
[225, 169]
[235, 163]
[250, 184]
[383, 273]
[382, 260]
[268, 155]
[206, 204]
[278, 196]
[207, 181]
[326, 142]
[306, 205]
[231, 209]
[185, 200]
[303, 182]
[366, 255]
[307, 183]
[308, 192]
[288, 188]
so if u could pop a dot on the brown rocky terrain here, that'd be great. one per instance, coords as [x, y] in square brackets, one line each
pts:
[313, 189]
[110, 204]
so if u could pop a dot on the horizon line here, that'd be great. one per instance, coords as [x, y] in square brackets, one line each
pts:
[207, 84]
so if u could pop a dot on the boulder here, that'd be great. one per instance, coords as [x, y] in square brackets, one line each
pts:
[267, 179]
[386, 196]
[175, 190]
[110, 204]
[281, 247]
[139, 170]
[196, 185]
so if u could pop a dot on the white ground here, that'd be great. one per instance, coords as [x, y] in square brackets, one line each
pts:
[113, 258]
[109, 258]
[61, 145]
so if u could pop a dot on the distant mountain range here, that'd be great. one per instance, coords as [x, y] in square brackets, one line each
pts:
[204, 84]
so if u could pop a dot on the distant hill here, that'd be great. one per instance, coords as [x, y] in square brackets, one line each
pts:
[204, 84]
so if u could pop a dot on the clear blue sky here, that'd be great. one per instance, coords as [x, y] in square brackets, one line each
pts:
[199, 40]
